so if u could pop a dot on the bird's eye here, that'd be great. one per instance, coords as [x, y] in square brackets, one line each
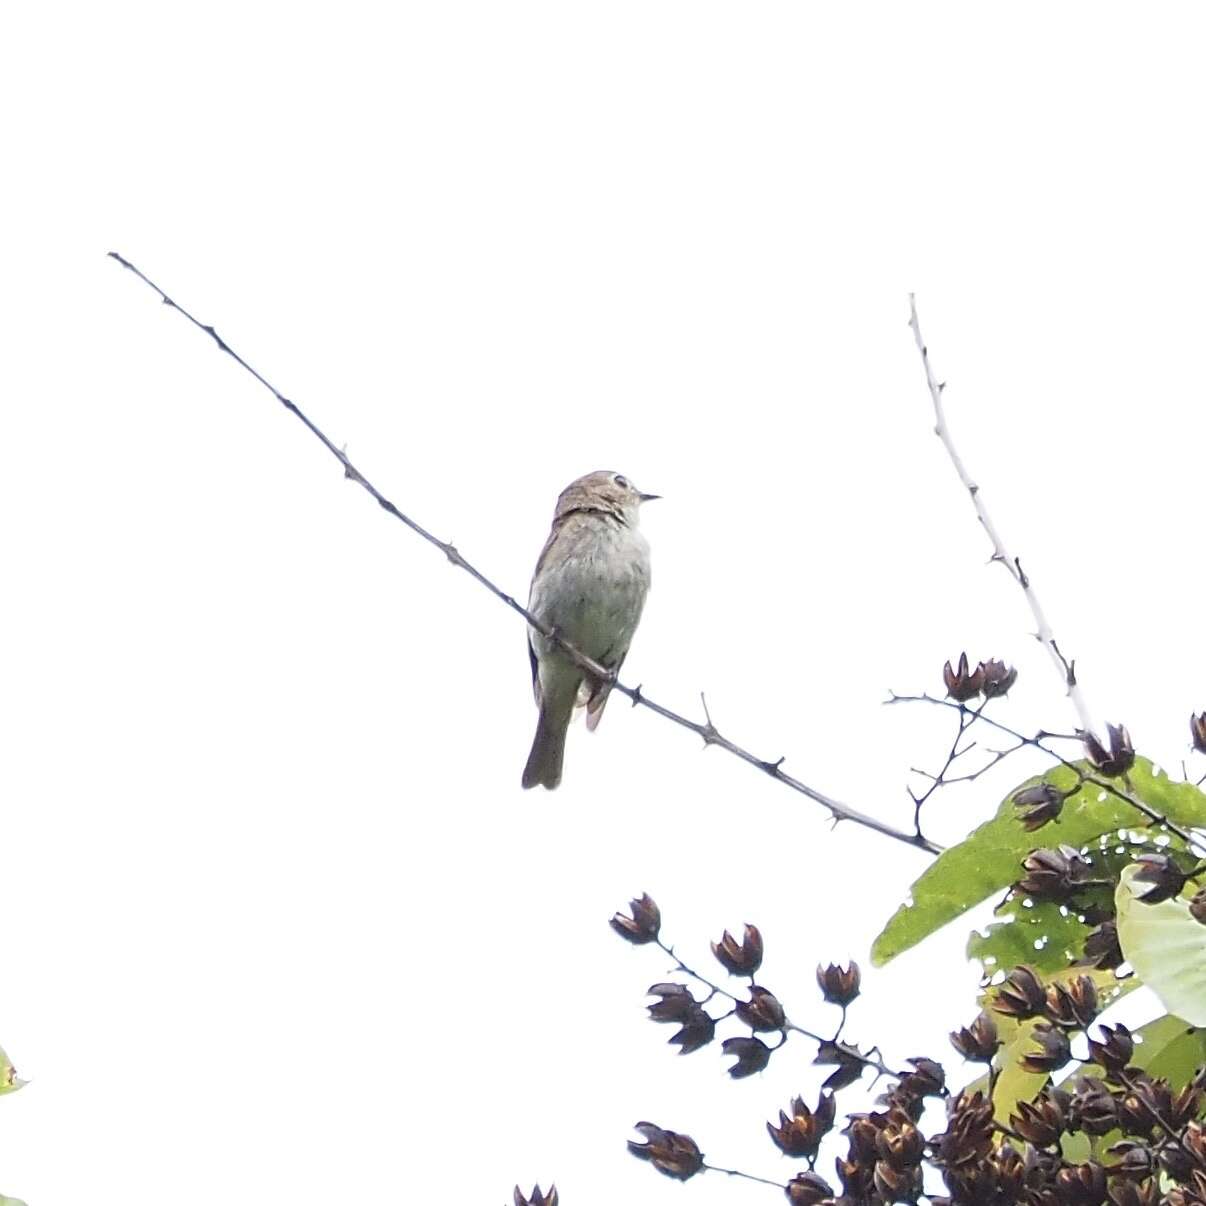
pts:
[621, 481]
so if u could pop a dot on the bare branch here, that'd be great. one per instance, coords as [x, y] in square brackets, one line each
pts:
[1066, 668]
[704, 730]
[1039, 742]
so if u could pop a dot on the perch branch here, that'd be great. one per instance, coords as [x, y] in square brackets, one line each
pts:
[705, 730]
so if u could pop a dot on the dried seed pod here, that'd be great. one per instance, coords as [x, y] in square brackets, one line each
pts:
[1072, 1005]
[1053, 1052]
[643, 925]
[698, 1030]
[1101, 947]
[1043, 1121]
[839, 985]
[1038, 805]
[977, 1042]
[1021, 994]
[846, 1059]
[1159, 870]
[1093, 1108]
[1197, 732]
[752, 1056]
[1135, 1161]
[536, 1198]
[762, 1011]
[1115, 761]
[1114, 1050]
[1054, 874]
[675, 1155]
[996, 678]
[1081, 1184]
[800, 1134]
[675, 1002]
[742, 958]
[808, 1189]
[961, 683]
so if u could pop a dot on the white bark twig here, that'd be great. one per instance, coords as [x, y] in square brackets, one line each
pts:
[1065, 668]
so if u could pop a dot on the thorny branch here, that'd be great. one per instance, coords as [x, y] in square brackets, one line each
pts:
[705, 730]
[1066, 668]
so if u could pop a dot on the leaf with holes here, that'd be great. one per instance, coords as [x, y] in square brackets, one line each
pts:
[988, 860]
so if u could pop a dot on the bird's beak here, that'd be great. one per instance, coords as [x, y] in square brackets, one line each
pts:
[648, 497]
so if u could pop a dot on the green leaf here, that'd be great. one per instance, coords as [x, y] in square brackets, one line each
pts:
[988, 860]
[10, 1082]
[1165, 946]
[1015, 1084]
[1039, 933]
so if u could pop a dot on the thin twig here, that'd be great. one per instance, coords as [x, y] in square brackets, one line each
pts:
[705, 730]
[1038, 742]
[734, 1172]
[1065, 668]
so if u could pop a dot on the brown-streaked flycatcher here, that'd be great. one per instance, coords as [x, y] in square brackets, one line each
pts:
[589, 587]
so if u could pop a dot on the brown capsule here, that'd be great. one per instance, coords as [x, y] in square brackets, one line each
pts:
[1197, 732]
[1135, 1161]
[1053, 1051]
[1072, 1005]
[1193, 1140]
[675, 1155]
[1176, 1162]
[800, 1134]
[1043, 1121]
[977, 1042]
[839, 985]
[961, 683]
[1115, 761]
[1185, 1107]
[1101, 947]
[1093, 1108]
[752, 1056]
[808, 1189]
[1197, 906]
[698, 1030]
[863, 1132]
[643, 925]
[901, 1144]
[1127, 1193]
[1114, 1050]
[928, 1079]
[846, 1059]
[1020, 995]
[996, 678]
[1038, 805]
[675, 1003]
[762, 1011]
[897, 1184]
[1081, 1184]
[1054, 874]
[536, 1198]
[742, 958]
[969, 1131]
[1141, 1106]
[1159, 870]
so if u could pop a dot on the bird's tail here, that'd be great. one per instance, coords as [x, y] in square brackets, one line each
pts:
[548, 746]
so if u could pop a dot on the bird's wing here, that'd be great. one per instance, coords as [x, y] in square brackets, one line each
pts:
[535, 671]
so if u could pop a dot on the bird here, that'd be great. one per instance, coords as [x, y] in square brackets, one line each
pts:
[589, 588]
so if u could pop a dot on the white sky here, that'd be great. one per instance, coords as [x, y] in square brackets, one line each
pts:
[279, 923]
